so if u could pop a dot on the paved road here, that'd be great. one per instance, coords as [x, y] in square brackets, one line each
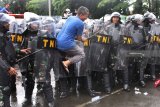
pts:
[118, 98]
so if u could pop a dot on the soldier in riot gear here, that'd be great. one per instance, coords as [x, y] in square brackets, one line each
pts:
[97, 50]
[148, 23]
[27, 65]
[44, 64]
[8, 57]
[6, 69]
[116, 61]
[39, 63]
[136, 32]
[128, 19]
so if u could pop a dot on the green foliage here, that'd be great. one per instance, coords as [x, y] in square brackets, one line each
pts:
[103, 3]
[98, 8]
[16, 6]
[60, 5]
[38, 6]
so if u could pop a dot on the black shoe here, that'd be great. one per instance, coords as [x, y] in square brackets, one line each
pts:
[14, 97]
[142, 83]
[108, 90]
[63, 94]
[153, 77]
[27, 102]
[51, 104]
[71, 90]
[126, 87]
[91, 93]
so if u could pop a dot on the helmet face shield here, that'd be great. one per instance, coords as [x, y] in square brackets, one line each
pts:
[138, 18]
[18, 26]
[48, 27]
[34, 26]
[5, 18]
[5, 21]
[150, 17]
[30, 17]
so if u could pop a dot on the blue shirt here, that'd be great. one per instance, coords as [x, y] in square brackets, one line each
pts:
[73, 27]
[3, 10]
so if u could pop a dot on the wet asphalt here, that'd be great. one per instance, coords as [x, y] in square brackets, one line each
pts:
[137, 97]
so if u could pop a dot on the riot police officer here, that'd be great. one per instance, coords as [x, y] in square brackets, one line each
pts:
[6, 69]
[136, 32]
[39, 63]
[27, 65]
[148, 23]
[116, 30]
[44, 61]
[8, 57]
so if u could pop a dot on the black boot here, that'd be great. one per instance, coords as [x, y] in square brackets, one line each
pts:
[13, 84]
[57, 88]
[48, 92]
[153, 72]
[126, 87]
[64, 91]
[89, 86]
[28, 97]
[107, 83]
[51, 104]
[6, 96]
[27, 101]
[28, 90]
[142, 83]
[126, 80]
[63, 94]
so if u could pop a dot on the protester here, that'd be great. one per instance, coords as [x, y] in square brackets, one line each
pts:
[5, 9]
[73, 28]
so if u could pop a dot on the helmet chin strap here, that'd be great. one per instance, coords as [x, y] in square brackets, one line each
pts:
[135, 25]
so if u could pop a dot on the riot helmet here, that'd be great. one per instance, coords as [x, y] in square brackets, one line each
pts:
[116, 16]
[137, 18]
[150, 17]
[29, 17]
[5, 21]
[48, 27]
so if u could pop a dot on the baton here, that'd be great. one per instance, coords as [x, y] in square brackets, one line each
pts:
[136, 54]
[28, 55]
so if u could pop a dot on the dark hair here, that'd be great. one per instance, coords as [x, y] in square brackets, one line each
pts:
[118, 21]
[82, 10]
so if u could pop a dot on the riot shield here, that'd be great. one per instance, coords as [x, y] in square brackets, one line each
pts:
[99, 52]
[81, 67]
[120, 53]
[41, 45]
[153, 45]
[153, 50]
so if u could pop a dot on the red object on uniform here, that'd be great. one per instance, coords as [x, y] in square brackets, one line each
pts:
[157, 83]
[17, 15]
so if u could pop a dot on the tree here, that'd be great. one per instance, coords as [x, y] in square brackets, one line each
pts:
[103, 3]
[141, 6]
[60, 5]
[110, 6]
[16, 6]
[41, 6]
[38, 6]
